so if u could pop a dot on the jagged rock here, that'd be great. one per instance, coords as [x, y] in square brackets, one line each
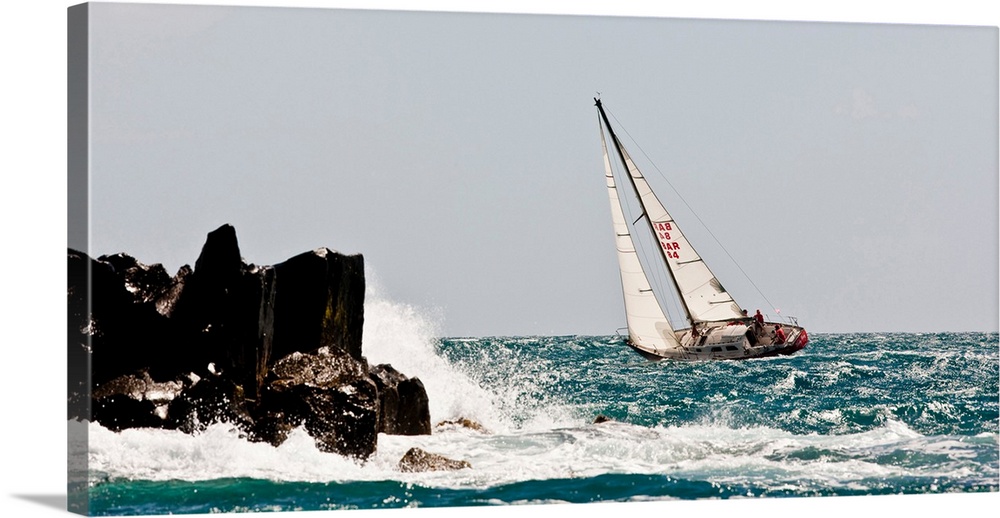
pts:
[414, 416]
[601, 418]
[118, 412]
[227, 341]
[464, 423]
[404, 407]
[107, 331]
[166, 304]
[344, 419]
[330, 394]
[133, 401]
[79, 325]
[273, 425]
[321, 369]
[417, 459]
[319, 300]
[207, 401]
[140, 387]
[258, 359]
[146, 283]
[211, 311]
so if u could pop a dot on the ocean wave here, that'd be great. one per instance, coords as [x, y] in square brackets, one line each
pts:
[759, 456]
[852, 414]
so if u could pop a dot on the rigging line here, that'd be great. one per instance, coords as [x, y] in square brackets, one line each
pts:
[655, 277]
[650, 160]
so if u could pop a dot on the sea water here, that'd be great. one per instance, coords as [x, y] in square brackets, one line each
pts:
[852, 414]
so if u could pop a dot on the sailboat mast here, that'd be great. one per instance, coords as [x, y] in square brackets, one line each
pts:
[635, 189]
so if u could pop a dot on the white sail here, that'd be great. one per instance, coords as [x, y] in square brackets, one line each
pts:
[648, 327]
[701, 293]
[719, 331]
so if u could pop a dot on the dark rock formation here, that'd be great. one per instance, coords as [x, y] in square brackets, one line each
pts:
[419, 460]
[463, 422]
[206, 401]
[145, 283]
[133, 401]
[404, 406]
[321, 301]
[110, 328]
[601, 418]
[331, 395]
[265, 348]
[218, 310]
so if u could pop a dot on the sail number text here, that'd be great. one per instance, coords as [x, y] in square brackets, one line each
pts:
[670, 247]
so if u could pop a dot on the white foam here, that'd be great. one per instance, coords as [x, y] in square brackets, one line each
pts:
[759, 456]
[218, 452]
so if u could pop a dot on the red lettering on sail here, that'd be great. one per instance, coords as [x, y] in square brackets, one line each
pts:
[669, 248]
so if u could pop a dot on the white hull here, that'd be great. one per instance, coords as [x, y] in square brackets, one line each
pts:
[722, 341]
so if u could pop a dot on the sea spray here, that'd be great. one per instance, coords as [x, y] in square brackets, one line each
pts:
[217, 452]
[493, 384]
[406, 337]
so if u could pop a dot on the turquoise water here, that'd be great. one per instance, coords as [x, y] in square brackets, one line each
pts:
[853, 414]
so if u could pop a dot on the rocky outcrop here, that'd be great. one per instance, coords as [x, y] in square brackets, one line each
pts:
[462, 422]
[417, 459]
[331, 395]
[404, 408]
[265, 348]
[321, 299]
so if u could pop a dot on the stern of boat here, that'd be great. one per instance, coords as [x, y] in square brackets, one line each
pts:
[799, 338]
[796, 338]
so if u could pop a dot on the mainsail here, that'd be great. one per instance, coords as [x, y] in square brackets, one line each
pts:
[701, 293]
[648, 327]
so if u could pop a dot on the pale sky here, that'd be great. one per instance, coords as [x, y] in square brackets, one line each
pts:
[898, 217]
[851, 169]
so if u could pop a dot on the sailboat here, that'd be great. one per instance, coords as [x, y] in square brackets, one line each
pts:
[717, 327]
